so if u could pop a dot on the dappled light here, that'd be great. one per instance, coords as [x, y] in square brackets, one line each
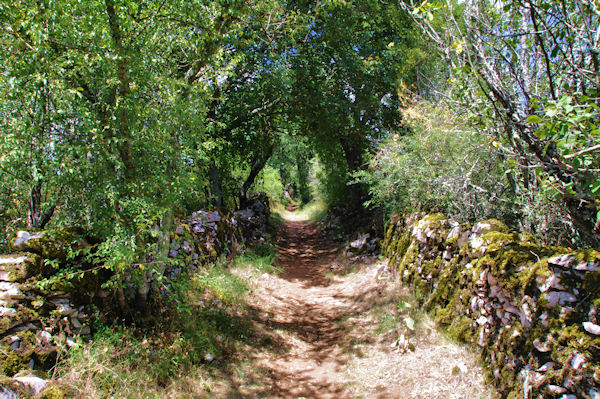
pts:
[275, 198]
[322, 329]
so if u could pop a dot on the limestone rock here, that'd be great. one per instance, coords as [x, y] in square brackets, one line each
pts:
[16, 268]
[7, 393]
[50, 244]
[454, 232]
[561, 260]
[546, 366]
[587, 266]
[555, 389]
[591, 328]
[10, 291]
[360, 242]
[487, 226]
[34, 385]
[64, 309]
[4, 311]
[578, 361]
[493, 294]
[560, 297]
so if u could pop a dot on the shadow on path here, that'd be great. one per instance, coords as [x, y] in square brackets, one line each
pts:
[316, 334]
[302, 312]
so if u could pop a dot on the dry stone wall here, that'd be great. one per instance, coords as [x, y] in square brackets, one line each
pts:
[37, 320]
[532, 310]
[43, 310]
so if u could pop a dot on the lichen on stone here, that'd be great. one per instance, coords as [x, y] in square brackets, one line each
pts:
[524, 304]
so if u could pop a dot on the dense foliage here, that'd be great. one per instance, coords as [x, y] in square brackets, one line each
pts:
[523, 77]
[529, 73]
[119, 115]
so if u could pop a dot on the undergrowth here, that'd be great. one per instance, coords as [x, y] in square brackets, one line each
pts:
[201, 327]
[260, 257]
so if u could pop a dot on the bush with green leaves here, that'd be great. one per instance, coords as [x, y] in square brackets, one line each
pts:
[438, 164]
[442, 164]
[527, 72]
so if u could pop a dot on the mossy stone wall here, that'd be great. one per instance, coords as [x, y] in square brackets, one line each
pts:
[43, 312]
[532, 310]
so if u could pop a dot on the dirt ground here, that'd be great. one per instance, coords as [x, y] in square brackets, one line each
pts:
[331, 327]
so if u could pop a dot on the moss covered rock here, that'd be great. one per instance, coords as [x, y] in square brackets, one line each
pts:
[531, 309]
[19, 267]
[50, 244]
[52, 392]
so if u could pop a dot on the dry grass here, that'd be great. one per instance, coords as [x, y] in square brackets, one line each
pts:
[436, 368]
[297, 333]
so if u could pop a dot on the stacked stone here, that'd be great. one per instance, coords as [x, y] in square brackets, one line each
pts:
[39, 316]
[364, 244]
[254, 219]
[206, 235]
[531, 309]
[202, 238]
[35, 323]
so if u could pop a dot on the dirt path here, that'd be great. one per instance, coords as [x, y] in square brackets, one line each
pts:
[321, 333]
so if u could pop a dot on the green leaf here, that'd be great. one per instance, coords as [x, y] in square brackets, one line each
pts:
[533, 119]
[410, 323]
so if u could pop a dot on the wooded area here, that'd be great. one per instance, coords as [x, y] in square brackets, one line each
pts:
[116, 115]
[117, 112]
[120, 118]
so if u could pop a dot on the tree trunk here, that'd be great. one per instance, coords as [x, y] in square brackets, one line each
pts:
[122, 66]
[260, 160]
[36, 217]
[216, 188]
[353, 155]
[162, 247]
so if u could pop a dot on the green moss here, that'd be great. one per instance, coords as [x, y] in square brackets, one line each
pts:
[519, 264]
[52, 392]
[496, 240]
[575, 337]
[409, 259]
[390, 232]
[448, 286]
[402, 244]
[587, 255]
[516, 264]
[55, 244]
[496, 225]
[29, 349]
[462, 329]
[21, 271]
[21, 316]
[438, 223]
[12, 363]
[591, 283]
[435, 217]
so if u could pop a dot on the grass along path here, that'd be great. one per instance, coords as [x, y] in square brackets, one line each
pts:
[342, 335]
[317, 325]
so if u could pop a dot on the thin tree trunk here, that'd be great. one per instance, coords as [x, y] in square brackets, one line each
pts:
[122, 66]
[216, 188]
[260, 160]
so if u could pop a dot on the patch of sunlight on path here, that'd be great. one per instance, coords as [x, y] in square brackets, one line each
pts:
[311, 212]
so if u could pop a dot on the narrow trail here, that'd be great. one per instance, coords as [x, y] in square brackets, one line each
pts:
[320, 335]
